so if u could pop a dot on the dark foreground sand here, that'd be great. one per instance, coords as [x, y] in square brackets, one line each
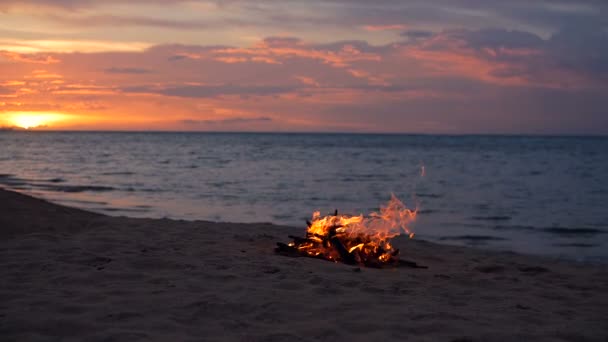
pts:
[70, 275]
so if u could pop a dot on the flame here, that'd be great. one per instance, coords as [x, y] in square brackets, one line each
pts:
[357, 239]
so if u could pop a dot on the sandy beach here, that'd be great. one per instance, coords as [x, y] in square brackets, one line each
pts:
[72, 275]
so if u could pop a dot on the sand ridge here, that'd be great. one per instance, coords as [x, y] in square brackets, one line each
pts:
[70, 275]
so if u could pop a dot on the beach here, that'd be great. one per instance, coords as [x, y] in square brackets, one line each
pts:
[71, 275]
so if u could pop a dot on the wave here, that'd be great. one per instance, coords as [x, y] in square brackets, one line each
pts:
[491, 218]
[573, 231]
[473, 238]
[49, 184]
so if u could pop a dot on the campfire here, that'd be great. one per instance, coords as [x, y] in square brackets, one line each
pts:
[356, 240]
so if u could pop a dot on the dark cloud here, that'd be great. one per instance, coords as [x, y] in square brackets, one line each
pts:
[542, 15]
[511, 18]
[281, 41]
[581, 48]
[360, 45]
[417, 34]
[498, 38]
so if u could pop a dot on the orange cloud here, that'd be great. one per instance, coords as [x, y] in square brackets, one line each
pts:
[279, 51]
[185, 55]
[84, 92]
[12, 83]
[308, 81]
[372, 79]
[230, 60]
[267, 60]
[29, 58]
[43, 74]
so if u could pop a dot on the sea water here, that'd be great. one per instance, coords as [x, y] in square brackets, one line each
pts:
[538, 195]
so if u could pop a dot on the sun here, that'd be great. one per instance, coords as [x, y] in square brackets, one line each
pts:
[29, 120]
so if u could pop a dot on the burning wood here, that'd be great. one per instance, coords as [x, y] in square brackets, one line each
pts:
[363, 240]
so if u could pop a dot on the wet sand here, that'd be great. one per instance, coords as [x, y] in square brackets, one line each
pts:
[71, 275]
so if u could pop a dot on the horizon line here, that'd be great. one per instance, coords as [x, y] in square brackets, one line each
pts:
[21, 130]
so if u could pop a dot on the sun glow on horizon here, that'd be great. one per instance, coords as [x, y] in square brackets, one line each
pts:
[29, 120]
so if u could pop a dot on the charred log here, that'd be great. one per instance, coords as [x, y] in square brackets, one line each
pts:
[345, 256]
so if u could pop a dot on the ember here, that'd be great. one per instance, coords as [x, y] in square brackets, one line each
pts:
[363, 240]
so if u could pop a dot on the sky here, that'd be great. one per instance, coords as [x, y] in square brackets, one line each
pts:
[419, 66]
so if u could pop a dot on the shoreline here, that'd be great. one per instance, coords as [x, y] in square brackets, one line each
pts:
[46, 193]
[72, 274]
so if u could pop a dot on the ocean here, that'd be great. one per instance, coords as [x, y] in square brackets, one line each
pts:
[535, 195]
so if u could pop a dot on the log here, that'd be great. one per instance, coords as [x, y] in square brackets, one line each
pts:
[346, 257]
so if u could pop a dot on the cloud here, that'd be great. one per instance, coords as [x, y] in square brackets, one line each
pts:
[386, 27]
[282, 49]
[127, 70]
[581, 48]
[42, 51]
[208, 91]
[278, 42]
[184, 55]
[452, 80]
[227, 121]
[541, 16]
[29, 58]
[571, 57]
[372, 79]
[417, 34]
[12, 83]
[122, 20]
[73, 4]
[498, 38]
[230, 60]
[43, 74]
[308, 81]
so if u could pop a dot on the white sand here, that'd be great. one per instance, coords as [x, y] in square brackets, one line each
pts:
[70, 275]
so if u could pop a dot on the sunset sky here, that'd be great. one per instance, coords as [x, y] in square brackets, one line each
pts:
[420, 66]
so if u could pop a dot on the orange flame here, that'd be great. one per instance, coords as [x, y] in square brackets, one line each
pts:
[357, 239]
